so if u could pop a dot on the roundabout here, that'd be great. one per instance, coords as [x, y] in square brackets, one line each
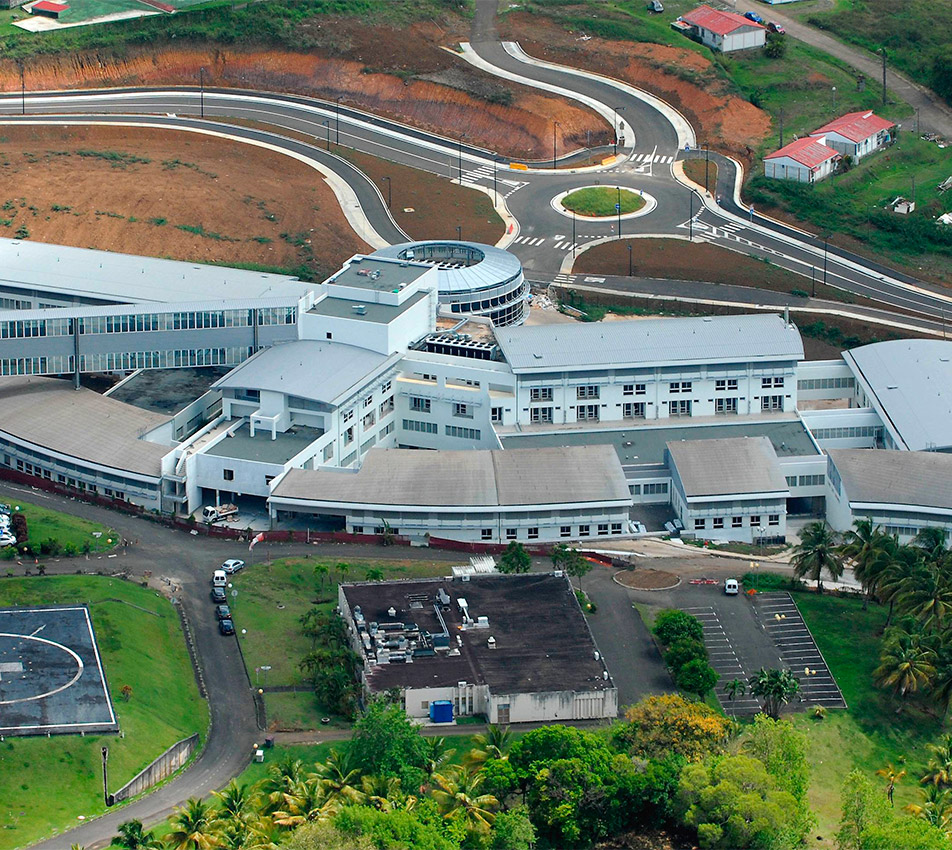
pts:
[598, 203]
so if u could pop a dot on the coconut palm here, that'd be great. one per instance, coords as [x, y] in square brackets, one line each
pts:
[735, 688]
[867, 546]
[815, 553]
[236, 813]
[935, 808]
[338, 779]
[436, 753]
[939, 770]
[775, 688]
[306, 802]
[194, 827]
[927, 596]
[457, 793]
[893, 777]
[902, 563]
[931, 541]
[132, 836]
[386, 793]
[282, 778]
[494, 743]
[907, 663]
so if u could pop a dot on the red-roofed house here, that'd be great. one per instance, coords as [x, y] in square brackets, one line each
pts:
[857, 133]
[805, 160]
[48, 9]
[724, 31]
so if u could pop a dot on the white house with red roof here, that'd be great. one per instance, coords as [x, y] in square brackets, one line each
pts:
[857, 133]
[724, 31]
[806, 160]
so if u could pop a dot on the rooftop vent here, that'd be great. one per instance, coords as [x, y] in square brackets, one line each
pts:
[491, 642]
[391, 611]
[360, 309]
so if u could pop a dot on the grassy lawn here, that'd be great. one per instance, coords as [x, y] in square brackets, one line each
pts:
[44, 524]
[602, 200]
[140, 648]
[870, 733]
[298, 710]
[701, 172]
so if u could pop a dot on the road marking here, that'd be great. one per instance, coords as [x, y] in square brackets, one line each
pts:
[594, 280]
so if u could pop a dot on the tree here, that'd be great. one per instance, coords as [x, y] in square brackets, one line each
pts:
[931, 540]
[683, 651]
[863, 805]
[19, 527]
[396, 829]
[939, 770]
[935, 808]
[577, 566]
[867, 547]
[668, 724]
[374, 574]
[697, 677]
[927, 596]
[783, 751]
[546, 744]
[494, 743]
[893, 777]
[672, 625]
[512, 830]
[437, 753]
[237, 813]
[816, 553]
[320, 573]
[304, 803]
[282, 778]
[942, 75]
[193, 827]
[775, 688]
[132, 837]
[386, 743]
[339, 779]
[515, 559]
[906, 662]
[776, 46]
[326, 836]
[459, 795]
[735, 688]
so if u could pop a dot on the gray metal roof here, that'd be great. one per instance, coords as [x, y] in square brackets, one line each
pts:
[313, 369]
[81, 423]
[476, 478]
[912, 383]
[650, 342]
[87, 274]
[879, 476]
[495, 267]
[343, 308]
[738, 465]
[374, 274]
[138, 309]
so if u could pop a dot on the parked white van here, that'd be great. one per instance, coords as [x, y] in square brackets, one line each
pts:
[731, 588]
[219, 578]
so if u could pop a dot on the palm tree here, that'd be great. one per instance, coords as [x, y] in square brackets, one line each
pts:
[930, 540]
[194, 827]
[282, 778]
[735, 688]
[815, 553]
[494, 743]
[132, 837]
[893, 777]
[385, 793]
[457, 793]
[338, 779]
[775, 688]
[866, 545]
[902, 562]
[436, 753]
[936, 807]
[927, 596]
[906, 663]
[304, 803]
[236, 813]
[939, 770]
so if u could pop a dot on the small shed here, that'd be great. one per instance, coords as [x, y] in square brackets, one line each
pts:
[724, 31]
[48, 9]
[806, 160]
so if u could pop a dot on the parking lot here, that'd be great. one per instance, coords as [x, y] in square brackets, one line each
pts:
[781, 619]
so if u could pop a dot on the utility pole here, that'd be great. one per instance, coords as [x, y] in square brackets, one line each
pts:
[327, 127]
[105, 775]
[616, 110]
[555, 124]
[629, 261]
[495, 190]
[691, 218]
[707, 158]
[460, 157]
[781, 126]
[22, 88]
[618, 208]
[389, 191]
[201, 79]
[573, 234]
[337, 127]
[884, 76]
[826, 245]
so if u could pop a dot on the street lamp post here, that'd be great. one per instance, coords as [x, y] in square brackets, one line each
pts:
[691, 218]
[201, 83]
[573, 234]
[555, 124]
[707, 164]
[629, 261]
[618, 208]
[337, 124]
[763, 533]
[459, 232]
[389, 191]
[616, 110]
[834, 100]
[22, 87]
[813, 281]
[495, 190]
[826, 245]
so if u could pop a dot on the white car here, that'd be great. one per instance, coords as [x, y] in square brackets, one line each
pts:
[232, 565]
[731, 587]
[7, 539]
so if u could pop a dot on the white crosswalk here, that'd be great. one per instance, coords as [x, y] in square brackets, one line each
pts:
[566, 246]
[485, 173]
[529, 240]
[647, 157]
[564, 278]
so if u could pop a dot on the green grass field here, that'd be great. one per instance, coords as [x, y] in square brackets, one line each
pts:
[43, 523]
[46, 784]
[601, 200]
[870, 733]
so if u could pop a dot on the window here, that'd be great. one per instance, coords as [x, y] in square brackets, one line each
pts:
[495, 414]
[680, 387]
[634, 489]
[486, 534]
[422, 427]
[767, 383]
[228, 474]
[368, 401]
[386, 406]
[462, 433]
[540, 394]
[700, 524]
[602, 528]
[348, 415]
[369, 419]
[541, 414]
[633, 410]
[466, 382]
[718, 522]
[791, 480]
[725, 406]
[424, 376]
[616, 528]
[773, 519]
[380, 529]
[510, 534]
[462, 410]
[268, 479]
[587, 391]
[329, 451]
[565, 531]
[587, 411]
[737, 522]
[419, 405]
[425, 704]
[809, 480]
[726, 384]
[349, 436]
[628, 389]
[682, 407]
[754, 519]
[771, 402]
[386, 388]
[655, 489]
[533, 533]
[584, 531]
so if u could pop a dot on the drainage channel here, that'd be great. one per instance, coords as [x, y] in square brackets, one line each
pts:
[781, 619]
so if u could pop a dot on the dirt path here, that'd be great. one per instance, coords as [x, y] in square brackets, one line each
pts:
[934, 115]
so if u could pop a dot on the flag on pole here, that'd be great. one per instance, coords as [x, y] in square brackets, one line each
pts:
[258, 538]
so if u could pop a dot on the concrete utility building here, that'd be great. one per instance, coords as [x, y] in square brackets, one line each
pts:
[806, 160]
[724, 31]
[514, 648]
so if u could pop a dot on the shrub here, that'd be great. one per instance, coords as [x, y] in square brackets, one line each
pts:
[697, 677]
[682, 652]
[664, 725]
[672, 625]
[19, 527]
[50, 546]
[70, 549]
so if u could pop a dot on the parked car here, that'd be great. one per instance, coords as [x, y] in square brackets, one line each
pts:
[7, 539]
[731, 587]
[223, 612]
[5, 510]
[219, 578]
[232, 565]
[655, 6]
[219, 595]
[753, 16]
[226, 627]
[773, 26]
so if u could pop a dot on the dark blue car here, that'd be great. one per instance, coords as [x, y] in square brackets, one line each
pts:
[753, 16]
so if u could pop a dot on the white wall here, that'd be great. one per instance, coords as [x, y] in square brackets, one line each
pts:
[825, 380]
[744, 39]
[555, 705]
[855, 428]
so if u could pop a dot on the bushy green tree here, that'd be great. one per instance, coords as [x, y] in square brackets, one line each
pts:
[668, 724]
[672, 625]
[386, 743]
[783, 751]
[697, 677]
[683, 651]
[392, 829]
[512, 830]
[515, 559]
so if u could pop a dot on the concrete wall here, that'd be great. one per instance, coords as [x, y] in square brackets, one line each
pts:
[555, 705]
[164, 766]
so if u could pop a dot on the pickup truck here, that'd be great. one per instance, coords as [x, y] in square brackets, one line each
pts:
[216, 513]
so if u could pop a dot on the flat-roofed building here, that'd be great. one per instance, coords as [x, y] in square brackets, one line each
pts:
[516, 648]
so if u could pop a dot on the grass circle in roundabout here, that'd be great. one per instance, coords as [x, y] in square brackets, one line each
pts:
[599, 201]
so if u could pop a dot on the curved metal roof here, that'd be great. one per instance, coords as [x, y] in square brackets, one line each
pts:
[496, 267]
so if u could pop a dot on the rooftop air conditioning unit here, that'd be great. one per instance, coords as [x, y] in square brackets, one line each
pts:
[360, 309]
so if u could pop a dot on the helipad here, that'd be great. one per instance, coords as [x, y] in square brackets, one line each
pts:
[51, 675]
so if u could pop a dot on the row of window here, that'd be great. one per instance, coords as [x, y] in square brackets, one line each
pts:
[805, 480]
[40, 472]
[674, 387]
[848, 431]
[652, 489]
[422, 427]
[58, 364]
[717, 523]
[603, 529]
[826, 383]
[129, 360]
[462, 433]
